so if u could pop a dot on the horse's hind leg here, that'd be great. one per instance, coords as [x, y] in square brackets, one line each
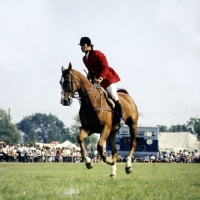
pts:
[111, 141]
[133, 133]
[83, 134]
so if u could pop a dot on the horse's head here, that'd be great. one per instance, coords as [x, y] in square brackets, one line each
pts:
[67, 85]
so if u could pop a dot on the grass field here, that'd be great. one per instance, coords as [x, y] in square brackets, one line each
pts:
[73, 181]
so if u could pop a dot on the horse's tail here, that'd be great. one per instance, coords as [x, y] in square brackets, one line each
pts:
[122, 90]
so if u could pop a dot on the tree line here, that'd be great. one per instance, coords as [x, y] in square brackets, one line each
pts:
[46, 128]
[40, 128]
[192, 126]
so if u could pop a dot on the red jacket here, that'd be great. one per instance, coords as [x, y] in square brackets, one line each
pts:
[97, 65]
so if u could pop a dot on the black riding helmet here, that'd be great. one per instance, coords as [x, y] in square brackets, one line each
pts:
[85, 40]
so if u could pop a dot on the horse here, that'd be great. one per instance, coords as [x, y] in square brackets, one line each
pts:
[97, 116]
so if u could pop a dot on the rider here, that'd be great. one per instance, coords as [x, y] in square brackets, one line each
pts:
[100, 72]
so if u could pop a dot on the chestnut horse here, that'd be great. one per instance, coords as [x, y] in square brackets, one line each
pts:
[97, 116]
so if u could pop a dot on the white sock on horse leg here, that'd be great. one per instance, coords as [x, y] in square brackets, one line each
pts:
[87, 159]
[128, 162]
[113, 169]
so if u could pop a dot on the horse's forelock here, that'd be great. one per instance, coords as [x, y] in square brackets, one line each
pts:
[66, 72]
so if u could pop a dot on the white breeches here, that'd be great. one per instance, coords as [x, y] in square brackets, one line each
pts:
[113, 91]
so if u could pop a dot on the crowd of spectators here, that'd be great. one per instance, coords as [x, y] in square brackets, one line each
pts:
[184, 156]
[35, 153]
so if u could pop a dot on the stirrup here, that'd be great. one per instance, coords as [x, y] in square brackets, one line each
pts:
[121, 122]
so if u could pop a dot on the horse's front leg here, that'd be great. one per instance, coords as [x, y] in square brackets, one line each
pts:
[100, 146]
[80, 138]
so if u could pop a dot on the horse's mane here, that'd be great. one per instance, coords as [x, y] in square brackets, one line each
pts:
[76, 72]
[122, 90]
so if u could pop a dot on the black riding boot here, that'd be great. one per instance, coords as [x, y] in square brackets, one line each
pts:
[118, 108]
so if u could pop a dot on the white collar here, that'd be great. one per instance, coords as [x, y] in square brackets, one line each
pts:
[87, 54]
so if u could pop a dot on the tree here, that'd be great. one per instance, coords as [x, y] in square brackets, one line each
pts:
[74, 131]
[178, 128]
[30, 134]
[42, 127]
[8, 131]
[193, 126]
[163, 128]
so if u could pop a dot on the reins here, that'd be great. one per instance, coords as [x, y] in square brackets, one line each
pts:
[84, 94]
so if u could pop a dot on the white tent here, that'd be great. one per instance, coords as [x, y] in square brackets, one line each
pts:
[67, 143]
[178, 140]
[43, 144]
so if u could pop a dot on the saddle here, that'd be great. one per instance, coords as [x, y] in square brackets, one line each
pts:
[108, 97]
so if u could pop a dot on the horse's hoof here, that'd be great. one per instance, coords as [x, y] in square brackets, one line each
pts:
[128, 170]
[89, 165]
[113, 176]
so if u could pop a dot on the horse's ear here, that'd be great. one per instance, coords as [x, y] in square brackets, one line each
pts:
[63, 69]
[70, 66]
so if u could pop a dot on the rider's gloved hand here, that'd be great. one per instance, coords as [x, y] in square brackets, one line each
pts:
[98, 81]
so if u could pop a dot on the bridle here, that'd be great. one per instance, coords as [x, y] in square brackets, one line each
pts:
[72, 94]
[71, 90]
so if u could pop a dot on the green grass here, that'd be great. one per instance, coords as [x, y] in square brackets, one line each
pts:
[54, 181]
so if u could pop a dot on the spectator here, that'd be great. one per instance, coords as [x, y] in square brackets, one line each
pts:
[171, 158]
[43, 154]
[26, 147]
[23, 153]
[99, 157]
[196, 154]
[78, 156]
[61, 155]
[152, 158]
[52, 155]
[68, 154]
[57, 157]
[10, 148]
[1, 152]
[146, 158]
[14, 154]
[189, 158]
[165, 158]
[19, 151]
[160, 158]
[38, 151]
[5, 153]
[95, 153]
[30, 155]
[73, 154]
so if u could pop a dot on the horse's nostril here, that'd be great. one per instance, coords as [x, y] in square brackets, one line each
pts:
[65, 103]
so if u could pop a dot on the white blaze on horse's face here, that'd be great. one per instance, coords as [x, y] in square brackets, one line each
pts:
[66, 98]
[62, 91]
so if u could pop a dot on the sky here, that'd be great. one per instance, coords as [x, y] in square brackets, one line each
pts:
[153, 45]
